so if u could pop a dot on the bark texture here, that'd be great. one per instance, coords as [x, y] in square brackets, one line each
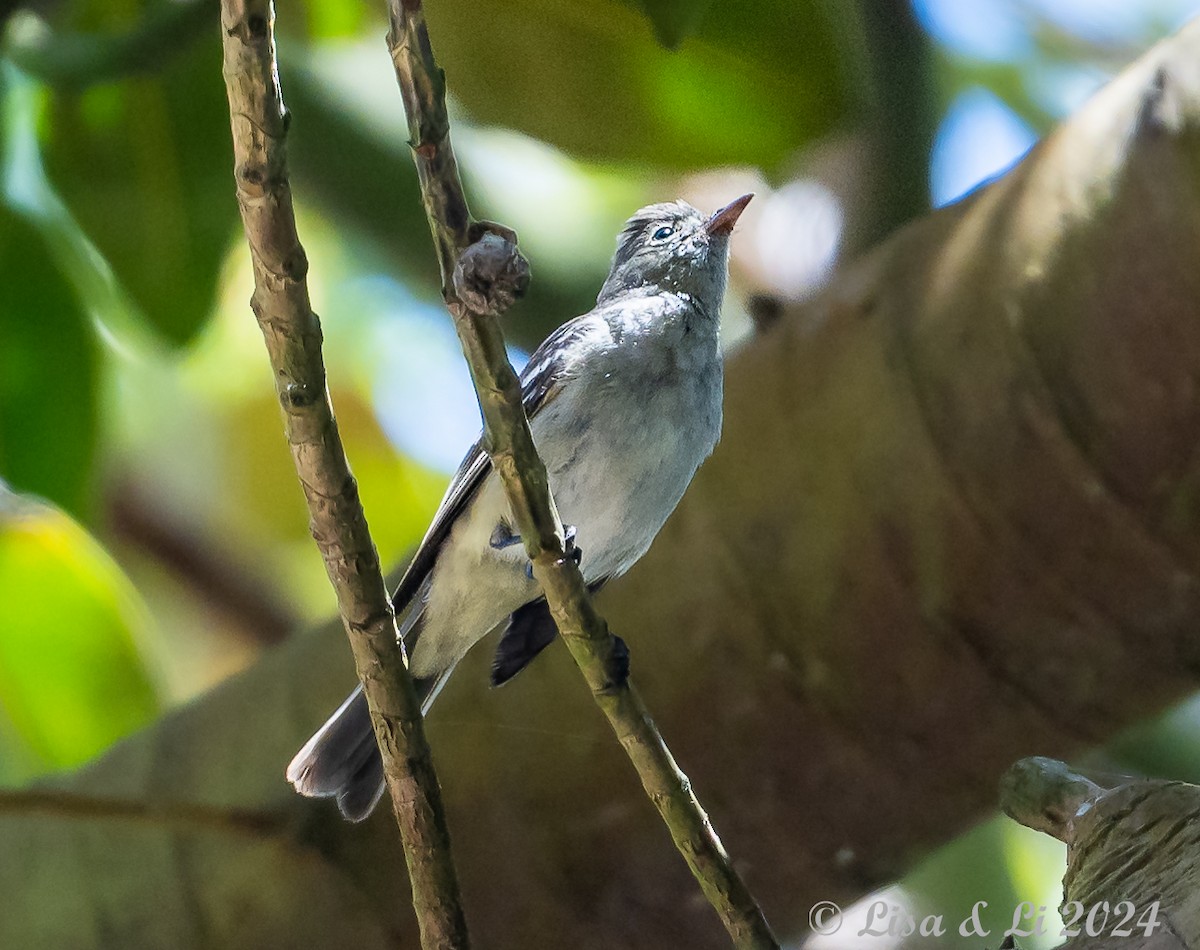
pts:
[954, 521]
[1133, 854]
[292, 333]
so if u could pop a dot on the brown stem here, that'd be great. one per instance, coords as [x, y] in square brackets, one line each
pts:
[293, 337]
[210, 572]
[510, 445]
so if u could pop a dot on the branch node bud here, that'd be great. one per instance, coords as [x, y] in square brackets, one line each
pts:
[491, 274]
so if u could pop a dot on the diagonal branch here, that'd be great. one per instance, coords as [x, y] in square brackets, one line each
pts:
[293, 337]
[467, 253]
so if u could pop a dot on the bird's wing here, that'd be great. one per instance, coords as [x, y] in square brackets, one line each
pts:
[530, 630]
[540, 383]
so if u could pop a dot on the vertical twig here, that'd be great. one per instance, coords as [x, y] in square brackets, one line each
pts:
[510, 445]
[293, 337]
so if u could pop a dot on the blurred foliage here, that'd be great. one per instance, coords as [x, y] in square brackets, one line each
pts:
[675, 19]
[147, 154]
[1002, 863]
[1166, 746]
[71, 676]
[603, 88]
[1009, 81]
[46, 347]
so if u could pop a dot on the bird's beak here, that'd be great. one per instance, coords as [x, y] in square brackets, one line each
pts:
[722, 221]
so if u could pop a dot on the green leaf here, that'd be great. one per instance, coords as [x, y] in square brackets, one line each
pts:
[675, 20]
[757, 81]
[145, 167]
[71, 678]
[47, 372]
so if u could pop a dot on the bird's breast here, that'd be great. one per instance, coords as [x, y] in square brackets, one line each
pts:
[622, 447]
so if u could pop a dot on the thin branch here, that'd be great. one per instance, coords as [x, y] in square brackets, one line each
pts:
[484, 256]
[208, 571]
[64, 804]
[293, 337]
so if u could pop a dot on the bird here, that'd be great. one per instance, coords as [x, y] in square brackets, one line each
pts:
[624, 404]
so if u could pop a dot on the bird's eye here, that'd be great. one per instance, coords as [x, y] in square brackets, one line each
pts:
[662, 233]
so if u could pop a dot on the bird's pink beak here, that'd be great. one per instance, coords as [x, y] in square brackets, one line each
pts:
[722, 221]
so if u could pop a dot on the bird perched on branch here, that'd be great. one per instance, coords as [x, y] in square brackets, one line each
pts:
[624, 403]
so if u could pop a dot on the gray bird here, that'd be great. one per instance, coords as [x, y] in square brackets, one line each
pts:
[624, 404]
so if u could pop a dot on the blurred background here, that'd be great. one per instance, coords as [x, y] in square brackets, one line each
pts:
[152, 537]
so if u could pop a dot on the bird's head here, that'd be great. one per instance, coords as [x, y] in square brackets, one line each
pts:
[673, 247]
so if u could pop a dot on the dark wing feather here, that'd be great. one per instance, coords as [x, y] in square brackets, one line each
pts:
[539, 384]
[530, 630]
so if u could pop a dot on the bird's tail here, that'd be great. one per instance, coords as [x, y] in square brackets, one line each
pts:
[342, 760]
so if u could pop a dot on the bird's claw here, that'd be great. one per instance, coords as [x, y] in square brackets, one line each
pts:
[570, 549]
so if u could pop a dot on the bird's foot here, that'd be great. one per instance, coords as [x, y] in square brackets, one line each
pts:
[569, 548]
[617, 666]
